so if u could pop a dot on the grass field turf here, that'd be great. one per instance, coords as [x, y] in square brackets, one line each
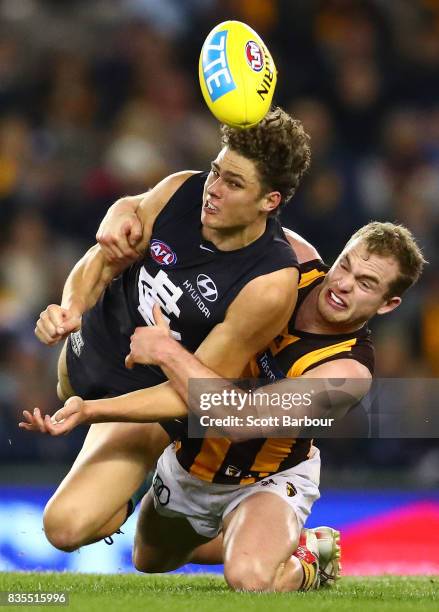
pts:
[184, 593]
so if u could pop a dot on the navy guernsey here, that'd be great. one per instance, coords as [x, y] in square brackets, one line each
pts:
[192, 280]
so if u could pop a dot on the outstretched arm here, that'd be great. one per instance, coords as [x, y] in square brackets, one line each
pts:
[258, 313]
[159, 348]
[128, 221]
[82, 289]
[182, 367]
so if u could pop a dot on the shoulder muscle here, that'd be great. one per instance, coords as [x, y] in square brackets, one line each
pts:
[340, 368]
[303, 249]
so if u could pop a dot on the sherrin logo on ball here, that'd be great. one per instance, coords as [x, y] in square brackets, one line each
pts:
[237, 74]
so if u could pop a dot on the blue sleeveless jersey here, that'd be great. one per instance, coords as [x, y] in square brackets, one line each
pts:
[191, 279]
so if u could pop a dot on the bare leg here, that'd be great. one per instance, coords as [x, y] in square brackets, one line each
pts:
[288, 577]
[248, 566]
[92, 500]
[210, 553]
[64, 388]
[162, 544]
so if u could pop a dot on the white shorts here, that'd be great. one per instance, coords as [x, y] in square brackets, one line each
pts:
[179, 494]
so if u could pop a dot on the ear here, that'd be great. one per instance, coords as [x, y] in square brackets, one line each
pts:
[389, 305]
[271, 201]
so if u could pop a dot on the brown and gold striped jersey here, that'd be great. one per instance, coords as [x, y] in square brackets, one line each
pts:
[291, 354]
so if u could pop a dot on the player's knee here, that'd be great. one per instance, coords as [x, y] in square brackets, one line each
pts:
[248, 575]
[61, 529]
[147, 566]
[146, 561]
[62, 538]
[153, 559]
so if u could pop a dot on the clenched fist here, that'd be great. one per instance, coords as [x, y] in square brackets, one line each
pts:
[120, 232]
[56, 323]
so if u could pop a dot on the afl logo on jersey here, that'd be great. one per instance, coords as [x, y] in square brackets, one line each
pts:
[254, 55]
[207, 287]
[162, 253]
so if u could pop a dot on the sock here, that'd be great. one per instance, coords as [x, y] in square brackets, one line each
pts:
[310, 566]
[139, 494]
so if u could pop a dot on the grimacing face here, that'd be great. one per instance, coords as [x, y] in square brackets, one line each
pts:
[232, 197]
[355, 288]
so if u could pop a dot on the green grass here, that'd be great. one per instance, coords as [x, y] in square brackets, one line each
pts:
[183, 593]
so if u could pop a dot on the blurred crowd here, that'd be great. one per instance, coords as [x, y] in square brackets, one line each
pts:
[100, 98]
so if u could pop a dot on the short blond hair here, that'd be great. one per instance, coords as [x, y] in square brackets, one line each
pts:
[391, 240]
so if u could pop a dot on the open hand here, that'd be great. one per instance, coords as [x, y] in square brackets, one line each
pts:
[65, 419]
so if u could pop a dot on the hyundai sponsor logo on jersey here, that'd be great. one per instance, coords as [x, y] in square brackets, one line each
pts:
[216, 71]
[207, 288]
[162, 253]
[254, 56]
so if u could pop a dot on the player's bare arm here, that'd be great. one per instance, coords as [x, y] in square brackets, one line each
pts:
[260, 312]
[95, 270]
[82, 289]
[125, 230]
[180, 366]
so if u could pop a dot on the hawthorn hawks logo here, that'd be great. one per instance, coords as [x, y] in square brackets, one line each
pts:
[291, 489]
[254, 55]
[162, 253]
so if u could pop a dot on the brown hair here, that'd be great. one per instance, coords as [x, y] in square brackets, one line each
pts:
[390, 240]
[278, 145]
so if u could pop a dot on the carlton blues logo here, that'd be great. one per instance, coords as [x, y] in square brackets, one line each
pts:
[254, 55]
[162, 253]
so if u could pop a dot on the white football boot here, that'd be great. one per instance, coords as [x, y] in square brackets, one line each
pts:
[328, 541]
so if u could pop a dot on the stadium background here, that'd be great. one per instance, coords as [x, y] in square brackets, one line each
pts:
[99, 99]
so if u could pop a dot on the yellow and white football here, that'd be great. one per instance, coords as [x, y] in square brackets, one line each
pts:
[237, 74]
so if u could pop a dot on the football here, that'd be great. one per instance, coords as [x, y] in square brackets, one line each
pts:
[237, 74]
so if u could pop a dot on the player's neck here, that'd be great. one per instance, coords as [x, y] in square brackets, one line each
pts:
[230, 239]
[309, 319]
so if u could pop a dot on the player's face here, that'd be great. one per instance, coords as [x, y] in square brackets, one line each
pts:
[355, 288]
[232, 197]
